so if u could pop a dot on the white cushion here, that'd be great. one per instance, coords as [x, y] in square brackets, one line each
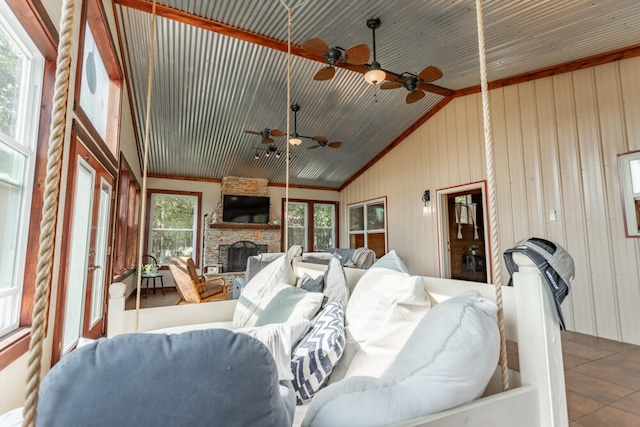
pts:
[279, 338]
[289, 303]
[317, 353]
[448, 361]
[260, 289]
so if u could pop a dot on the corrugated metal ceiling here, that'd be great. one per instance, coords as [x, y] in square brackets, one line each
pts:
[208, 88]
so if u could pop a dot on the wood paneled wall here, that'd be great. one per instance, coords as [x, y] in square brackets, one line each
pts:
[555, 141]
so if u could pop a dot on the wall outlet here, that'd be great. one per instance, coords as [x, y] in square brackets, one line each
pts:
[552, 215]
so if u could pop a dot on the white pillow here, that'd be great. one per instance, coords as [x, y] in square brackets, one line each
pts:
[287, 304]
[335, 282]
[447, 362]
[260, 289]
[279, 338]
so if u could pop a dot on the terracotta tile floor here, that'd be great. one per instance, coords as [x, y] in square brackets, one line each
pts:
[602, 376]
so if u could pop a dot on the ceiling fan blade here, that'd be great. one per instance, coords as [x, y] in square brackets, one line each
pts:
[277, 132]
[414, 96]
[335, 144]
[316, 46]
[252, 132]
[358, 54]
[325, 73]
[389, 76]
[313, 147]
[319, 139]
[435, 89]
[267, 141]
[390, 85]
[430, 74]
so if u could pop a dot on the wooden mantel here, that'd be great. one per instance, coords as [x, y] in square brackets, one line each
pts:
[242, 225]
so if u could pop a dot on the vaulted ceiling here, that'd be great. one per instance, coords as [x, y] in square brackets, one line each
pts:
[220, 68]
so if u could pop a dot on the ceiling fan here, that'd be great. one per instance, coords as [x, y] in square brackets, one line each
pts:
[266, 133]
[295, 137]
[417, 85]
[356, 55]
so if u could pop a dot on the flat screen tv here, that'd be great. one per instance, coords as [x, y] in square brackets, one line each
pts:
[247, 209]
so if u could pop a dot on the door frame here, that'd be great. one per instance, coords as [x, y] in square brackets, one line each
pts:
[443, 225]
[82, 145]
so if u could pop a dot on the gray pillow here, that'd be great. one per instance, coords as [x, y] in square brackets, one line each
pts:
[203, 377]
[311, 285]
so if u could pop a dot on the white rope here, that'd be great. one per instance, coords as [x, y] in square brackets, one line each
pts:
[145, 162]
[493, 208]
[286, 185]
[49, 211]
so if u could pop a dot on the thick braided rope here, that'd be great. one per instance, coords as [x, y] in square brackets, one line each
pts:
[286, 186]
[49, 211]
[493, 206]
[145, 162]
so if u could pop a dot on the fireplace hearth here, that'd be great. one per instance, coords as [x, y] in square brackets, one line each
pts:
[233, 257]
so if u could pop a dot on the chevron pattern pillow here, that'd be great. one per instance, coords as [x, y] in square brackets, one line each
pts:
[314, 357]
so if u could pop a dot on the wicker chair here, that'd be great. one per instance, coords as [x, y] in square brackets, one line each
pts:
[194, 288]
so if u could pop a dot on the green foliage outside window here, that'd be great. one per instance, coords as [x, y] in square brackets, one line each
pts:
[11, 64]
[173, 227]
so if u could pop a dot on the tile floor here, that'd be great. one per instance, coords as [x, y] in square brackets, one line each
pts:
[602, 377]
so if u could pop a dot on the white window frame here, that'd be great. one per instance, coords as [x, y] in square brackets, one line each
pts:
[333, 222]
[630, 187]
[195, 229]
[304, 227]
[24, 144]
[366, 231]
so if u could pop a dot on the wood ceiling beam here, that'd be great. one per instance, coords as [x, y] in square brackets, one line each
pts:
[228, 30]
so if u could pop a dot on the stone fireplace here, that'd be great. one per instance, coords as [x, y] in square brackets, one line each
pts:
[243, 239]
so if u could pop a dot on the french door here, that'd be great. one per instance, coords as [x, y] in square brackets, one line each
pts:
[84, 269]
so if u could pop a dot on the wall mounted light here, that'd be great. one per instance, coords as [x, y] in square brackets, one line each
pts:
[426, 196]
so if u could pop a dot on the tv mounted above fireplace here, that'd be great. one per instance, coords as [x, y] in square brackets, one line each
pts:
[247, 209]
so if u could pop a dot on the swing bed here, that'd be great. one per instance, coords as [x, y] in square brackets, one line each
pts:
[534, 396]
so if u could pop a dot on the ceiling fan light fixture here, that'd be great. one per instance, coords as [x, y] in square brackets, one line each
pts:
[295, 141]
[375, 74]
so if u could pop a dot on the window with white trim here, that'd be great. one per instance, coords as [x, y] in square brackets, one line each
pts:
[629, 164]
[368, 225]
[173, 226]
[21, 76]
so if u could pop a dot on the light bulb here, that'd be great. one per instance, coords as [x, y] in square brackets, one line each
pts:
[375, 75]
[295, 141]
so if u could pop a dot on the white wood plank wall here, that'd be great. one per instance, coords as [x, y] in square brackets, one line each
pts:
[556, 140]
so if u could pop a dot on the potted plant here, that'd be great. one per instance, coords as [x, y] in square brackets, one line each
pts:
[473, 249]
[149, 269]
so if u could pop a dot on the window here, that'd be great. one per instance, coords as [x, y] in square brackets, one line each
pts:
[368, 226]
[630, 185]
[312, 224]
[128, 210]
[463, 206]
[173, 225]
[21, 77]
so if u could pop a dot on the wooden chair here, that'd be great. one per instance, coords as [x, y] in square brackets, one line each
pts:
[192, 287]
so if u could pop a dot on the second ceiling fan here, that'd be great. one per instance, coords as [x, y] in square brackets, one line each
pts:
[321, 140]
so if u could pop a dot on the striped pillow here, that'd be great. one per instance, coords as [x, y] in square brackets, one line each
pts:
[314, 357]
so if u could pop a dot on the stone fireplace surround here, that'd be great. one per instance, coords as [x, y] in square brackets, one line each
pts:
[218, 233]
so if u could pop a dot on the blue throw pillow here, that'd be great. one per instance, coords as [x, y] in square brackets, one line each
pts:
[313, 359]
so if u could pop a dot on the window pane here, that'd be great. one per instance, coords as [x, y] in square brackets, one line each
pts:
[375, 216]
[12, 174]
[356, 218]
[323, 215]
[167, 244]
[94, 85]
[323, 239]
[171, 211]
[297, 236]
[297, 214]
[12, 66]
[634, 165]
